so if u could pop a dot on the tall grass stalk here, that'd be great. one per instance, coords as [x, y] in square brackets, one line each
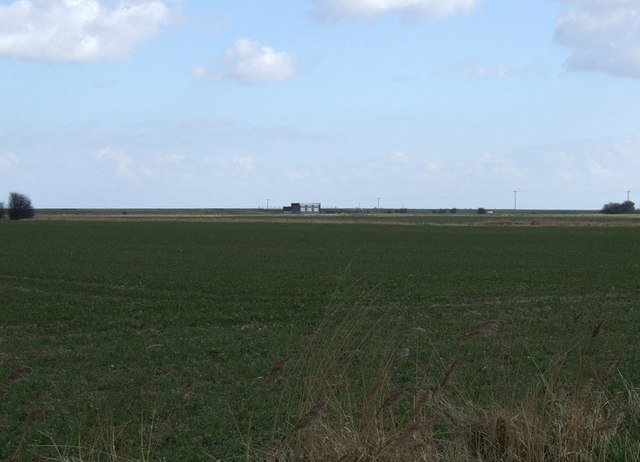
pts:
[107, 443]
[361, 391]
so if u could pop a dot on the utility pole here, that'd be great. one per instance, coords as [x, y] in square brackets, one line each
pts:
[628, 192]
[267, 204]
[515, 200]
[378, 202]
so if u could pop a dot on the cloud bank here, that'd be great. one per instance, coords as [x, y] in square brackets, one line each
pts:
[251, 62]
[78, 30]
[603, 36]
[123, 166]
[419, 9]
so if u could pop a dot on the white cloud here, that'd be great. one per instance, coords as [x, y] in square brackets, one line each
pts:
[245, 163]
[494, 167]
[150, 167]
[120, 162]
[249, 61]
[399, 165]
[299, 174]
[404, 169]
[589, 167]
[78, 30]
[596, 169]
[8, 161]
[199, 72]
[231, 167]
[603, 35]
[421, 9]
[170, 159]
[424, 166]
[614, 160]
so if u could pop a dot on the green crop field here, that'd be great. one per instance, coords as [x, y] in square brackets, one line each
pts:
[160, 338]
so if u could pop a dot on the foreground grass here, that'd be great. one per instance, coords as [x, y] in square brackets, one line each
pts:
[167, 333]
[364, 391]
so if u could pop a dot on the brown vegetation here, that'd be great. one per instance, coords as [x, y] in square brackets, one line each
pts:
[561, 416]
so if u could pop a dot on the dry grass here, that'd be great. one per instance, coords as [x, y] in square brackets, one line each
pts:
[107, 443]
[354, 409]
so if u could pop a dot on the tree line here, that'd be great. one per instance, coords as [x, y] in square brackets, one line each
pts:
[18, 207]
[615, 207]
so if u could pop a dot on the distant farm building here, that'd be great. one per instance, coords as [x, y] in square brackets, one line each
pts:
[297, 208]
[293, 208]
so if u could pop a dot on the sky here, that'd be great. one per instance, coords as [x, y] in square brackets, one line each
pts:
[256, 103]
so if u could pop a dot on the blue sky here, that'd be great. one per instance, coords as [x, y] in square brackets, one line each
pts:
[421, 103]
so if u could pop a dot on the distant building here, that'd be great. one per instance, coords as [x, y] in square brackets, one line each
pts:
[310, 208]
[297, 208]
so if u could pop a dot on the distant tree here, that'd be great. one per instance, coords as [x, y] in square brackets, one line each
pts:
[1, 210]
[628, 207]
[611, 207]
[19, 206]
[616, 208]
[482, 211]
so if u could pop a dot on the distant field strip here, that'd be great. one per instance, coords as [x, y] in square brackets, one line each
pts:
[424, 217]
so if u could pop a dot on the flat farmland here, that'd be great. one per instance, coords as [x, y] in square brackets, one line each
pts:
[168, 332]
